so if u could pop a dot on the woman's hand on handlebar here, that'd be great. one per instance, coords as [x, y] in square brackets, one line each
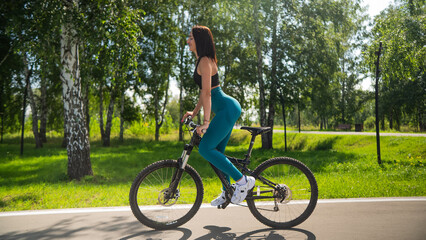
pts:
[187, 114]
[202, 128]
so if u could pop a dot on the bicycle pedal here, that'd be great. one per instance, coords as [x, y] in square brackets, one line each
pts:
[223, 206]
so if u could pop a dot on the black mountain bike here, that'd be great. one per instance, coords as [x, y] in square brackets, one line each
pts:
[168, 193]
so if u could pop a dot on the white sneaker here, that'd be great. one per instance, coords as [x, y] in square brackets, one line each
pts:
[219, 200]
[240, 192]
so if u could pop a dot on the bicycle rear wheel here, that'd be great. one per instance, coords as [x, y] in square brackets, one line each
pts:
[151, 201]
[287, 196]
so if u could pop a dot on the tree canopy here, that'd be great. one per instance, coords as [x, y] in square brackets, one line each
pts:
[274, 56]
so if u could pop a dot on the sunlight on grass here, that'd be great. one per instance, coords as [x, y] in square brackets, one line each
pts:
[344, 167]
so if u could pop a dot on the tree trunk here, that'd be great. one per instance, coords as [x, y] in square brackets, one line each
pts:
[24, 106]
[106, 141]
[181, 109]
[2, 122]
[2, 126]
[267, 143]
[121, 114]
[298, 113]
[33, 106]
[65, 140]
[343, 93]
[383, 122]
[285, 123]
[86, 107]
[273, 89]
[422, 119]
[43, 109]
[2, 107]
[398, 121]
[101, 110]
[78, 146]
[182, 46]
[262, 110]
[159, 119]
[156, 117]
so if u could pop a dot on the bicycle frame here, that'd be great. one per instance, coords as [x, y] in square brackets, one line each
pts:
[240, 163]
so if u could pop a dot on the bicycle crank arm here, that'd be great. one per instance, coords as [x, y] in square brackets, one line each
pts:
[269, 210]
[223, 206]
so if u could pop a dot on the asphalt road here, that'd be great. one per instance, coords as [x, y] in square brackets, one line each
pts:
[395, 218]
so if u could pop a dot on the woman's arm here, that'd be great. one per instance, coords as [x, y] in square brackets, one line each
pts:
[198, 107]
[205, 68]
[194, 112]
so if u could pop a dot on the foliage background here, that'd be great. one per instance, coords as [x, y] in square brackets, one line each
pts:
[131, 51]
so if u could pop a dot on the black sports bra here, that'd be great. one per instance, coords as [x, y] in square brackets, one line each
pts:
[197, 77]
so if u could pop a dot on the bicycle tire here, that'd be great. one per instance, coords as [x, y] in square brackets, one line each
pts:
[291, 208]
[148, 188]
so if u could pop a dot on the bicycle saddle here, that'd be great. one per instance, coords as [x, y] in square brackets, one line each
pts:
[257, 130]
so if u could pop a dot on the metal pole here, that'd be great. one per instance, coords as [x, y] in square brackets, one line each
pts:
[379, 160]
[298, 112]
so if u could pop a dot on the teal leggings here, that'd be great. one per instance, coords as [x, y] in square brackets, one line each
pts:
[213, 144]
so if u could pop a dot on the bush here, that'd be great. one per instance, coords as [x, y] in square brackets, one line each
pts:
[141, 127]
[239, 137]
[370, 123]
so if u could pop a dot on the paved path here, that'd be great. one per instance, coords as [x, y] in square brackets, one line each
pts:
[358, 133]
[396, 218]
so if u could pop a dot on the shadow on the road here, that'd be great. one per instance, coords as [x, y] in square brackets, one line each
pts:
[59, 230]
[225, 233]
[217, 233]
[156, 234]
[75, 228]
[277, 234]
[267, 233]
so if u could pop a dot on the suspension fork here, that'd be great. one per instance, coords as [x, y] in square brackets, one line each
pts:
[177, 175]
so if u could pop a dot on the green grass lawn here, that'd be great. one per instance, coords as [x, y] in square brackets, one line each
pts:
[344, 166]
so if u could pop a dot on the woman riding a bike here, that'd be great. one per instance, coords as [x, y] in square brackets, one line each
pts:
[227, 111]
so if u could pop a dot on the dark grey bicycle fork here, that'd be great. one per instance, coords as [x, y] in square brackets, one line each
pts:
[177, 175]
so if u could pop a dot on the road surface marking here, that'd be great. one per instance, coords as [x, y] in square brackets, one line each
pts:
[206, 205]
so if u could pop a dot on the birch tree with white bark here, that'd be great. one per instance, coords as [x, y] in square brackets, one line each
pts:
[78, 146]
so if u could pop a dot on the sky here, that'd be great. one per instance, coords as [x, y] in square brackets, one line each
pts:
[375, 7]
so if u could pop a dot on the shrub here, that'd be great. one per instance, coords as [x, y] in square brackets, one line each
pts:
[239, 137]
[370, 123]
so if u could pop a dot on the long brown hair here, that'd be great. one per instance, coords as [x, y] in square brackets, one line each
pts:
[204, 42]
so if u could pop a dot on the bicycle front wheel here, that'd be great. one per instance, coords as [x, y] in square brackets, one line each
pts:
[285, 193]
[152, 201]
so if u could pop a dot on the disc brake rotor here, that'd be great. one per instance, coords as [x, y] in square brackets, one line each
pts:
[283, 193]
[165, 199]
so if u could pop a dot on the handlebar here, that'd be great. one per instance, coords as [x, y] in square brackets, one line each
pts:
[188, 121]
